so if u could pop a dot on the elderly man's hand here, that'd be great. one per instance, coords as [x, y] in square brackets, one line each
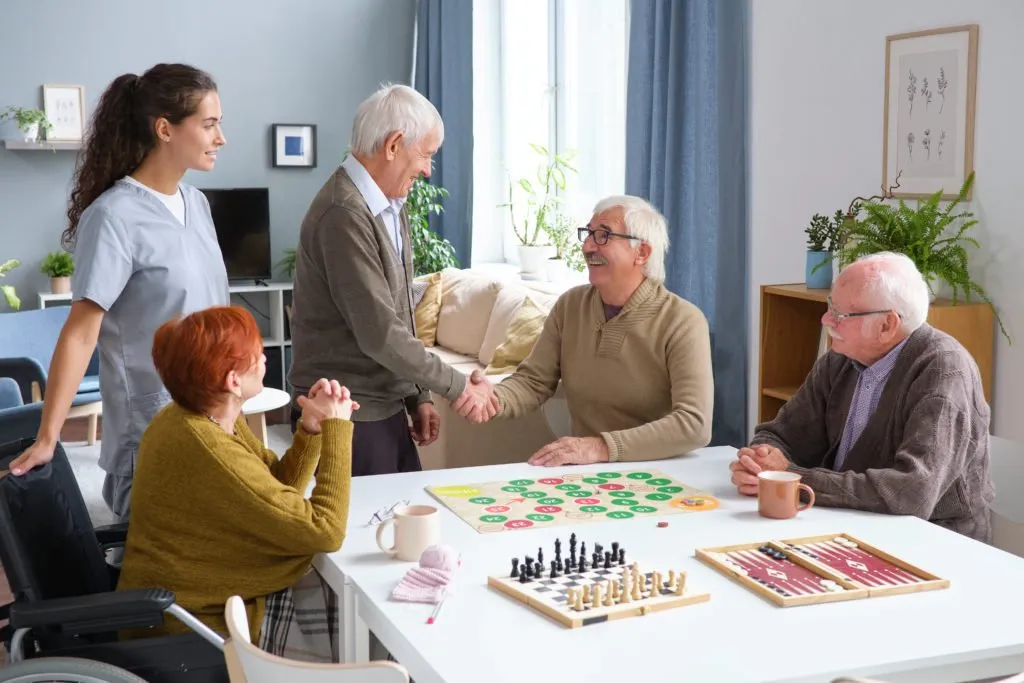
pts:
[571, 450]
[752, 461]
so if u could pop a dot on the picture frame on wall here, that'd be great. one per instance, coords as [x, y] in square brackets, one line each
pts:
[294, 145]
[64, 106]
[930, 92]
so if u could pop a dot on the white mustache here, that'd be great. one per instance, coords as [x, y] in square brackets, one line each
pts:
[595, 260]
[833, 333]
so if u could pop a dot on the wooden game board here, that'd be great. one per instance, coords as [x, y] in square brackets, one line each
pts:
[554, 597]
[570, 498]
[817, 569]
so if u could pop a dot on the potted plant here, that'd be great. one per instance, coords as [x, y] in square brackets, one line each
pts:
[568, 250]
[60, 267]
[287, 263]
[430, 252]
[822, 235]
[533, 216]
[12, 297]
[29, 121]
[934, 238]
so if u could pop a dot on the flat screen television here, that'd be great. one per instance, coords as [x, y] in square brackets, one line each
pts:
[241, 217]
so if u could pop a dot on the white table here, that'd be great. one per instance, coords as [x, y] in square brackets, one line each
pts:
[969, 631]
[255, 410]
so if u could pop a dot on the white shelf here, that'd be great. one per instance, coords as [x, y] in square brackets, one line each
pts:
[43, 145]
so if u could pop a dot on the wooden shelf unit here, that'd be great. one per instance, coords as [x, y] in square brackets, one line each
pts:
[792, 337]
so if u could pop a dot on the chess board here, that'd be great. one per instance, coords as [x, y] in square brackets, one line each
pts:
[551, 596]
[570, 498]
[818, 569]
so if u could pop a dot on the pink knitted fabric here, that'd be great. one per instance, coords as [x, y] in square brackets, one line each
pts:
[430, 581]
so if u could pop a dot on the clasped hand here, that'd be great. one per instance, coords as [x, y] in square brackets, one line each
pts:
[326, 400]
[478, 402]
[750, 462]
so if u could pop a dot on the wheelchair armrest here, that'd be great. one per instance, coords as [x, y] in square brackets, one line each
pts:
[111, 534]
[96, 613]
[24, 371]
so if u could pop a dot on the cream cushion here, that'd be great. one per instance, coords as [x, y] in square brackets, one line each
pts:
[509, 299]
[466, 303]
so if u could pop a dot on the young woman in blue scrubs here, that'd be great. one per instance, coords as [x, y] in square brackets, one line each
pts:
[145, 251]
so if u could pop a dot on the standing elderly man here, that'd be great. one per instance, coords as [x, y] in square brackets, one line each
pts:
[893, 419]
[352, 311]
[634, 358]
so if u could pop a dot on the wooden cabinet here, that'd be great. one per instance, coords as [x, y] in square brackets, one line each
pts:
[791, 339]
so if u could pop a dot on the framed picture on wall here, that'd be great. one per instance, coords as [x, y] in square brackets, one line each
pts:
[294, 145]
[64, 106]
[930, 88]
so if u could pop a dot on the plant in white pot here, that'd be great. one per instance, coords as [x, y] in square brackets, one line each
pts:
[568, 256]
[533, 215]
[29, 121]
[60, 267]
[8, 290]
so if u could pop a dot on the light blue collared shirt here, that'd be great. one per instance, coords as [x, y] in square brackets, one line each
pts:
[378, 204]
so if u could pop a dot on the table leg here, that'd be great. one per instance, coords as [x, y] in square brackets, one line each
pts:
[360, 632]
[258, 424]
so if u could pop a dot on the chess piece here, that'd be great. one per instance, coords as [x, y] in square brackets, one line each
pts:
[596, 595]
[614, 592]
[656, 584]
[558, 547]
[554, 570]
[515, 567]
[586, 593]
[637, 590]
[582, 566]
[627, 587]
[578, 602]
[622, 556]
[681, 582]
[540, 555]
[671, 579]
[615, 548]
[607, 560]
[538, 571]
[608, 590]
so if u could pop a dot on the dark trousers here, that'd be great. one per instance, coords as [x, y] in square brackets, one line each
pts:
[379, 447]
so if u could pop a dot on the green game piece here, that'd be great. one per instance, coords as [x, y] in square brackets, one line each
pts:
[620, 514]
[593, 480]
[581, 494]
[482, 500]
[670, 489]
[643, 508]
[594, 508]
[534, 517]
[639, 475]
[621, 494]
[493, 519]
[534, 494]
[520, 482]
[567, 487]
[609, 475]
[658, 496]
[624, 501]
[659, 482]
[550, 501]
[513, 489]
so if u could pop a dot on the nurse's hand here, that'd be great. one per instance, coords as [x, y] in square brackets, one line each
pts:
[39, 453]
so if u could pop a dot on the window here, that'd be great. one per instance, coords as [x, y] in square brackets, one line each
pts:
[549, 73]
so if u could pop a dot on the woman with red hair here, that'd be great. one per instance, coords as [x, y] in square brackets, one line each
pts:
[214, 513]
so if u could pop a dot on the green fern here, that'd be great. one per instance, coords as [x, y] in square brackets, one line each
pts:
[933, 237]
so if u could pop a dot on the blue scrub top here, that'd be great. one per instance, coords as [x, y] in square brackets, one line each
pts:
[135, 260]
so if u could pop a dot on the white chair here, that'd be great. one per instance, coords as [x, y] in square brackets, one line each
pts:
[249, 664]
[1007, 470]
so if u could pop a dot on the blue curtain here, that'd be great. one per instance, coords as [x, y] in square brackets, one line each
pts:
[686, 152]
[444, 75]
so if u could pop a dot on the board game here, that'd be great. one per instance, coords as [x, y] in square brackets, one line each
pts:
[580, 591]
[570, 498]
[818, 569]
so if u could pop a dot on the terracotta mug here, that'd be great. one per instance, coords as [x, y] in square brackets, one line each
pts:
[416, 528]
[778, 494]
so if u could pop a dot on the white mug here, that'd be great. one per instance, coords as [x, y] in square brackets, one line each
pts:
[416, 528]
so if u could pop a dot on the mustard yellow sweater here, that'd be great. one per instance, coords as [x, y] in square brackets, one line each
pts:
[215, 515]
[642, 380]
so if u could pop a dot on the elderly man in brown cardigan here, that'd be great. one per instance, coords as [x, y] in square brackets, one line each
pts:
[893, 418]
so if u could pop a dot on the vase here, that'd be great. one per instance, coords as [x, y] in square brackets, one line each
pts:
[532, 261]
[816, 277]
[60, 285]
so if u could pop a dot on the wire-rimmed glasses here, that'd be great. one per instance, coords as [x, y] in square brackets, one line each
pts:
[385, 513]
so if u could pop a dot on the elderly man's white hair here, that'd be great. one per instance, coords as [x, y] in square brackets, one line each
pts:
[391, 109]
[645, 223]
[895, 283]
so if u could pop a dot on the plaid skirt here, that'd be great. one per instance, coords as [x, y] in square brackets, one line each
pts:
[301, 622]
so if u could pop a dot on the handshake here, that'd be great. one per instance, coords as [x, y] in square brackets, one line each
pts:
[478, 402]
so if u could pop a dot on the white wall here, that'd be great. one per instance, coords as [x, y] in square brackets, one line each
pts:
[817, 81]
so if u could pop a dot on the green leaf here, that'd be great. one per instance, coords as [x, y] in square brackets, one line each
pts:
[12, 298]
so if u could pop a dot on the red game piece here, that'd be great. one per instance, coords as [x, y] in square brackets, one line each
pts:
[662, 525]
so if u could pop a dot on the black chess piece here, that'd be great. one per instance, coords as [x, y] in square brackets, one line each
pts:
[583, 550]
[515, 567]
[622, 556]
[524, 576]
[582, 566]
[540, 555]
[558, 546]
[554, 570]
[572, 540]
[607, 560]
[595, 560]
[598, 548]
[558, 564]
[538, 571]
[615, 548]
[528, 561]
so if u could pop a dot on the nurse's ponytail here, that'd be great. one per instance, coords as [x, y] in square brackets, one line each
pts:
[122, 132]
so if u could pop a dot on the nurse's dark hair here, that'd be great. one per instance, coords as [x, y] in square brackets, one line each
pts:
[122, 130]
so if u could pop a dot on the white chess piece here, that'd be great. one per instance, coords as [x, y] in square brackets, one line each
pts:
[680, 583]
[627, 587]
[596, 593]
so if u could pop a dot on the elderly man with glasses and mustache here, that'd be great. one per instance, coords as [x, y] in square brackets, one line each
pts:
[634, 358]
[893, 419]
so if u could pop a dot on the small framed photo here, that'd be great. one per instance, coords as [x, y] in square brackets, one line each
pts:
[294, 145]
[64, 106]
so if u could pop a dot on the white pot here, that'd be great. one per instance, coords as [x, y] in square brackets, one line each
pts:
[532, 261]
[31, 133]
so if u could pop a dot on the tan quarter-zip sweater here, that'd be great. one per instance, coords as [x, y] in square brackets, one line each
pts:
[642, 380]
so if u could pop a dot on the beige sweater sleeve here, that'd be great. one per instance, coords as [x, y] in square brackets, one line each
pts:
[688, 426]
[536, 379]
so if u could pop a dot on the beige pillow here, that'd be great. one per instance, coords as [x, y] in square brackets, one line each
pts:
[428, 309]
[523, 332]
[466, 303]
[510, 298]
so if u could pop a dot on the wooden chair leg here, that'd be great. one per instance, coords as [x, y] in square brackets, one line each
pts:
[93, 427]
[258, 425]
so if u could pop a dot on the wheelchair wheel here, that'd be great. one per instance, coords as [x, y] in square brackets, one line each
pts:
[65, 670]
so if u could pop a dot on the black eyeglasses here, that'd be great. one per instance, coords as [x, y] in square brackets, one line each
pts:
[601, 235]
